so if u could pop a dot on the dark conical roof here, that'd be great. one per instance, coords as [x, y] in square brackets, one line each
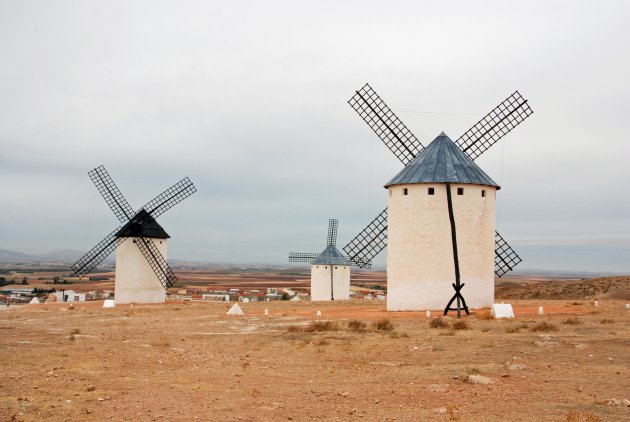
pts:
[142, 225]
[442, 162]
[331, 256]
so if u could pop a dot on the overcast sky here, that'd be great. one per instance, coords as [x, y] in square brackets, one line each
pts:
[249, 100]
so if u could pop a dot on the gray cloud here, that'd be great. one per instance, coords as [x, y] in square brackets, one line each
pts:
[248, 99]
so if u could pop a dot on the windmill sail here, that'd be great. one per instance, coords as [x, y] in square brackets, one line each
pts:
[332, 232]
[494, 125]
[369, 242]
[170, 197]
[389, 128]
[112, 195]
[97, 254]
[157, 262]
[302, 257]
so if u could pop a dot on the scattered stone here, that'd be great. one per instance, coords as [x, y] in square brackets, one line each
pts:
[438, 388]
[91, 388]
[479, 379]
[502, 310]
[377, 401]
[440, 410]
[618, 402]
[517, 367]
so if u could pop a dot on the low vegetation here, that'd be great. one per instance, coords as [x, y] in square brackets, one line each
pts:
[439, 323]
[357, 326]
[383, 324]
[544, 326]
[461, 324]
[572, 321]
[516, 327]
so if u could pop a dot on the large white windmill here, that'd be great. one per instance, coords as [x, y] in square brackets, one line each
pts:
[142, 273]
[434, 241]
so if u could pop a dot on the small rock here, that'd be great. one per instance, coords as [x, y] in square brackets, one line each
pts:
[345, 394]
[516, 367]
[91, 388]
[68, 401]
[440, 410]
[479, 379]
[377, 401]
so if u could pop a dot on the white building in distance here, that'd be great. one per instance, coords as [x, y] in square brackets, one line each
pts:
[420, 264]
[330, 276]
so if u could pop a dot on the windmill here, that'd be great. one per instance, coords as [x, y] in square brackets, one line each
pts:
[142, 273]
[406, 147]
[330, 270]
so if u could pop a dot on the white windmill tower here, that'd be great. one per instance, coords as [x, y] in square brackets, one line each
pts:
[330, 269]
[441, 223]
[142, 273]
[414, 242]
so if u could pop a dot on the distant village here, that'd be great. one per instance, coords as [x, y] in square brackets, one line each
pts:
[20, 294]
[32, 285]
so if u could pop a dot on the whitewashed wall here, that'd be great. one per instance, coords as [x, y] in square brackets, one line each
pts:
[420, 268]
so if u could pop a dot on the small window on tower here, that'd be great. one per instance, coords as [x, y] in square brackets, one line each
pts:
[404, 191]
[431, 191]
[483, 193]
[335, 268]
[460, 191]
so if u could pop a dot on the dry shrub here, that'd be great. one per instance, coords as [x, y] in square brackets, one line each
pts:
[75, 331]
[322, 326]
[357, 326]
[576, 303]
[449, 332]
[485, 315]
[575, 416]
[460, 324]
[439, 322]
[544, 326]
[321, 341]
[485, 329]
[572, 321]
[516, 328]
[607, 321]
[383, 324]
[161, 342]
[294, 329]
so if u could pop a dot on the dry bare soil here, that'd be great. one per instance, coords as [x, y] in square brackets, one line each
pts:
[189, 361]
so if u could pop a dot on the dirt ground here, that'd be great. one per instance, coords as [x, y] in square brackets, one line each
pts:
[189, 361]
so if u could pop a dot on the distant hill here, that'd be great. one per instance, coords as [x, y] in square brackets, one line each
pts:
[60, 255]
[7, 255]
